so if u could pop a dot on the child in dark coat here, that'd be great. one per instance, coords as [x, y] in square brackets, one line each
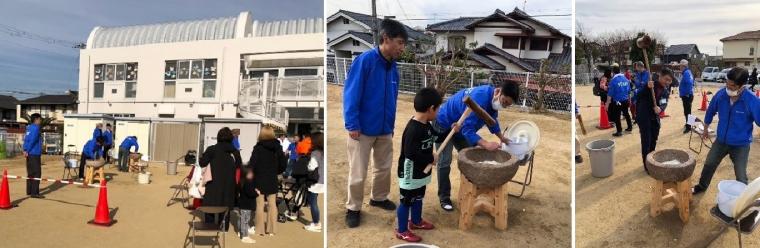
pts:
[246, 204]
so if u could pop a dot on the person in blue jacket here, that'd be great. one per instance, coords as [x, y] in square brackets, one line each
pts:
[236, 138]
[369, 110]
[98, 132]
[640, 80]
[617, 102]
[124, 151]
[93, 149]
[686, 92]
[491, 100]
[33, 154]
[737, 110]
[107, 142]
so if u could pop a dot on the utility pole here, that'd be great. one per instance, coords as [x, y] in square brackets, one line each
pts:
[375, 39]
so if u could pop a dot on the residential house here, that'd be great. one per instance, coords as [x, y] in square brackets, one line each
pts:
[675, 53]
[350, 34]
[8, 108]
[49, 106]
[741, 49]
[512, 41]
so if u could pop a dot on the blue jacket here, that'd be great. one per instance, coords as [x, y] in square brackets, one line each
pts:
[236, 143]
[292, 150]
[107, 138]
[686, 86]
[129, 142]
[735, 121]
[619, 88]
[369, 96]
[640, 81]
[453, 108]
[97, 133]
[92, 150]
[32, 140]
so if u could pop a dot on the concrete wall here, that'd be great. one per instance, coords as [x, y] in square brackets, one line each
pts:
[738, 52]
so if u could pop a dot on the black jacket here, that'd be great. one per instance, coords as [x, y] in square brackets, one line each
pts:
[224, 160]
[644, 105]
[267, 161]
[247, 199]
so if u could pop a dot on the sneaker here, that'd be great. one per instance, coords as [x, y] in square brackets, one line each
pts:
[578, 159]
[353, 218]
[313, 227]
[618, 134]
[424, 225]
[697, 189]
[248, 240]
[252, 229]
[37, 196]
[628, 130]
[291, 216]
[408, 236]
[386, 204]
[447, 205]
[686, 129]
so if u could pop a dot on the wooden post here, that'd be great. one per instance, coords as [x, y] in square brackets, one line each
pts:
[655, 208]
[678, 193]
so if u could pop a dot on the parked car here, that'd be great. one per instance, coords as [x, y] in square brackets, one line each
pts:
[710, 73]
[722, 75]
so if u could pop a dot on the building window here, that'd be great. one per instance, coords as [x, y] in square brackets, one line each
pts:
[746, 63]
[356, 43]
[165, 115]
[301, 72]
[130, 90]
[170, 89]
[751, 51]
[260, 73]
[345, 21]
[98, 92]
[539, 44]
[510, 42]
[209, 88]
[194, 72]
[456, 43]
[119, 73]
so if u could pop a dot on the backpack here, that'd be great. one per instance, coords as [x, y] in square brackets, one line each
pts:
[313, 176]
[301, 166]
[597, 87]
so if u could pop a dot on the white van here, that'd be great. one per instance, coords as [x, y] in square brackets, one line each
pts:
[710, 73]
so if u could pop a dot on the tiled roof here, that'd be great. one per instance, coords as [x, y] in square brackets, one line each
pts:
[52, 99]
[487, 47]
[486, 61]
[516, 16]
[8, 102]
[458, 24]
[743, 36]
[367, 21]
[681, 49]
[366, 37]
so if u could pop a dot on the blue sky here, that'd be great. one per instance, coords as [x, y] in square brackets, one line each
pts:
[28, 65]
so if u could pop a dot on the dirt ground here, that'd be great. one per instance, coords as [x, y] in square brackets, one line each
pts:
[614, 211]
[143, 219]
[541, 218]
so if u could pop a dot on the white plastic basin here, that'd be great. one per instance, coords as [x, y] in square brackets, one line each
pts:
[728, 191]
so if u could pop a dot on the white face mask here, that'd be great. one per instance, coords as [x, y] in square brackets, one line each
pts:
[496, 105]
[732, 93]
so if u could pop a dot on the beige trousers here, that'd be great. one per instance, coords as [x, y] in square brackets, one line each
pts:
[381, 149]
[271, 216]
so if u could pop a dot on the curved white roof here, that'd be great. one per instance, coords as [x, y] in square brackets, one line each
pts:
[287, 27]
[208, 29]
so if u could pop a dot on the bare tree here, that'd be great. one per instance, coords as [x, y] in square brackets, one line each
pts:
[447, 67]
[585, 43]
[545, 78]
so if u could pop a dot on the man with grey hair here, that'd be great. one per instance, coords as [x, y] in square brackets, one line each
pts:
[686, 92]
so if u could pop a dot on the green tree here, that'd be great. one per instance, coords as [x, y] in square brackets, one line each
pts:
[637, 54]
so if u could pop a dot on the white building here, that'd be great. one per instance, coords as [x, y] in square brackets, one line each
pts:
[231, 67]
[741, 49]
[350, 34]
[513, 41]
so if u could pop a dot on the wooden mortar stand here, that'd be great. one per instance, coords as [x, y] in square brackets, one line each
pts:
[678, 193]
[476, 199]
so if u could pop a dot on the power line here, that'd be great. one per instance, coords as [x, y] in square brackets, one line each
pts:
[16, 32]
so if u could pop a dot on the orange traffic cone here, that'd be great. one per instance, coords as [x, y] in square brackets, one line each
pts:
[102, 216]
[5, 194]
[604, 122]
[704, 101]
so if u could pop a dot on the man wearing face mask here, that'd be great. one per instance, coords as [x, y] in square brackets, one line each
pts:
[491, 100]
[737, 109]
[369, 110]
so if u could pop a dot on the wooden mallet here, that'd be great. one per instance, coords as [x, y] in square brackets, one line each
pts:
[472, 107]
[644, 42]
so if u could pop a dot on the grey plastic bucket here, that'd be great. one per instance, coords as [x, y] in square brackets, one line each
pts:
[601, 156]
[171, 168]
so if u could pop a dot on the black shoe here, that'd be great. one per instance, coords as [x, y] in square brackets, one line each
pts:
[578, 159]
[618, 134]
[38, 196]
[686, 129]
[697, 189]
[628, 130]
[353, 218]
[447, 205]
[387, 204]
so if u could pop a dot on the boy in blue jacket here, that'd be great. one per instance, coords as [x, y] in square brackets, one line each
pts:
[686, 92]
[737, 110]
[369, 110]
[491, 100]
[124, 151]
[93, 149]
[617, 102]
[33, 154]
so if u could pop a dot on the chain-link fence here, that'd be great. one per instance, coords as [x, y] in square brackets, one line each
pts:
[557, 97]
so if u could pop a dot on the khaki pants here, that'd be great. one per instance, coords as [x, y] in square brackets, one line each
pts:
[271, 216]
[359, 150]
